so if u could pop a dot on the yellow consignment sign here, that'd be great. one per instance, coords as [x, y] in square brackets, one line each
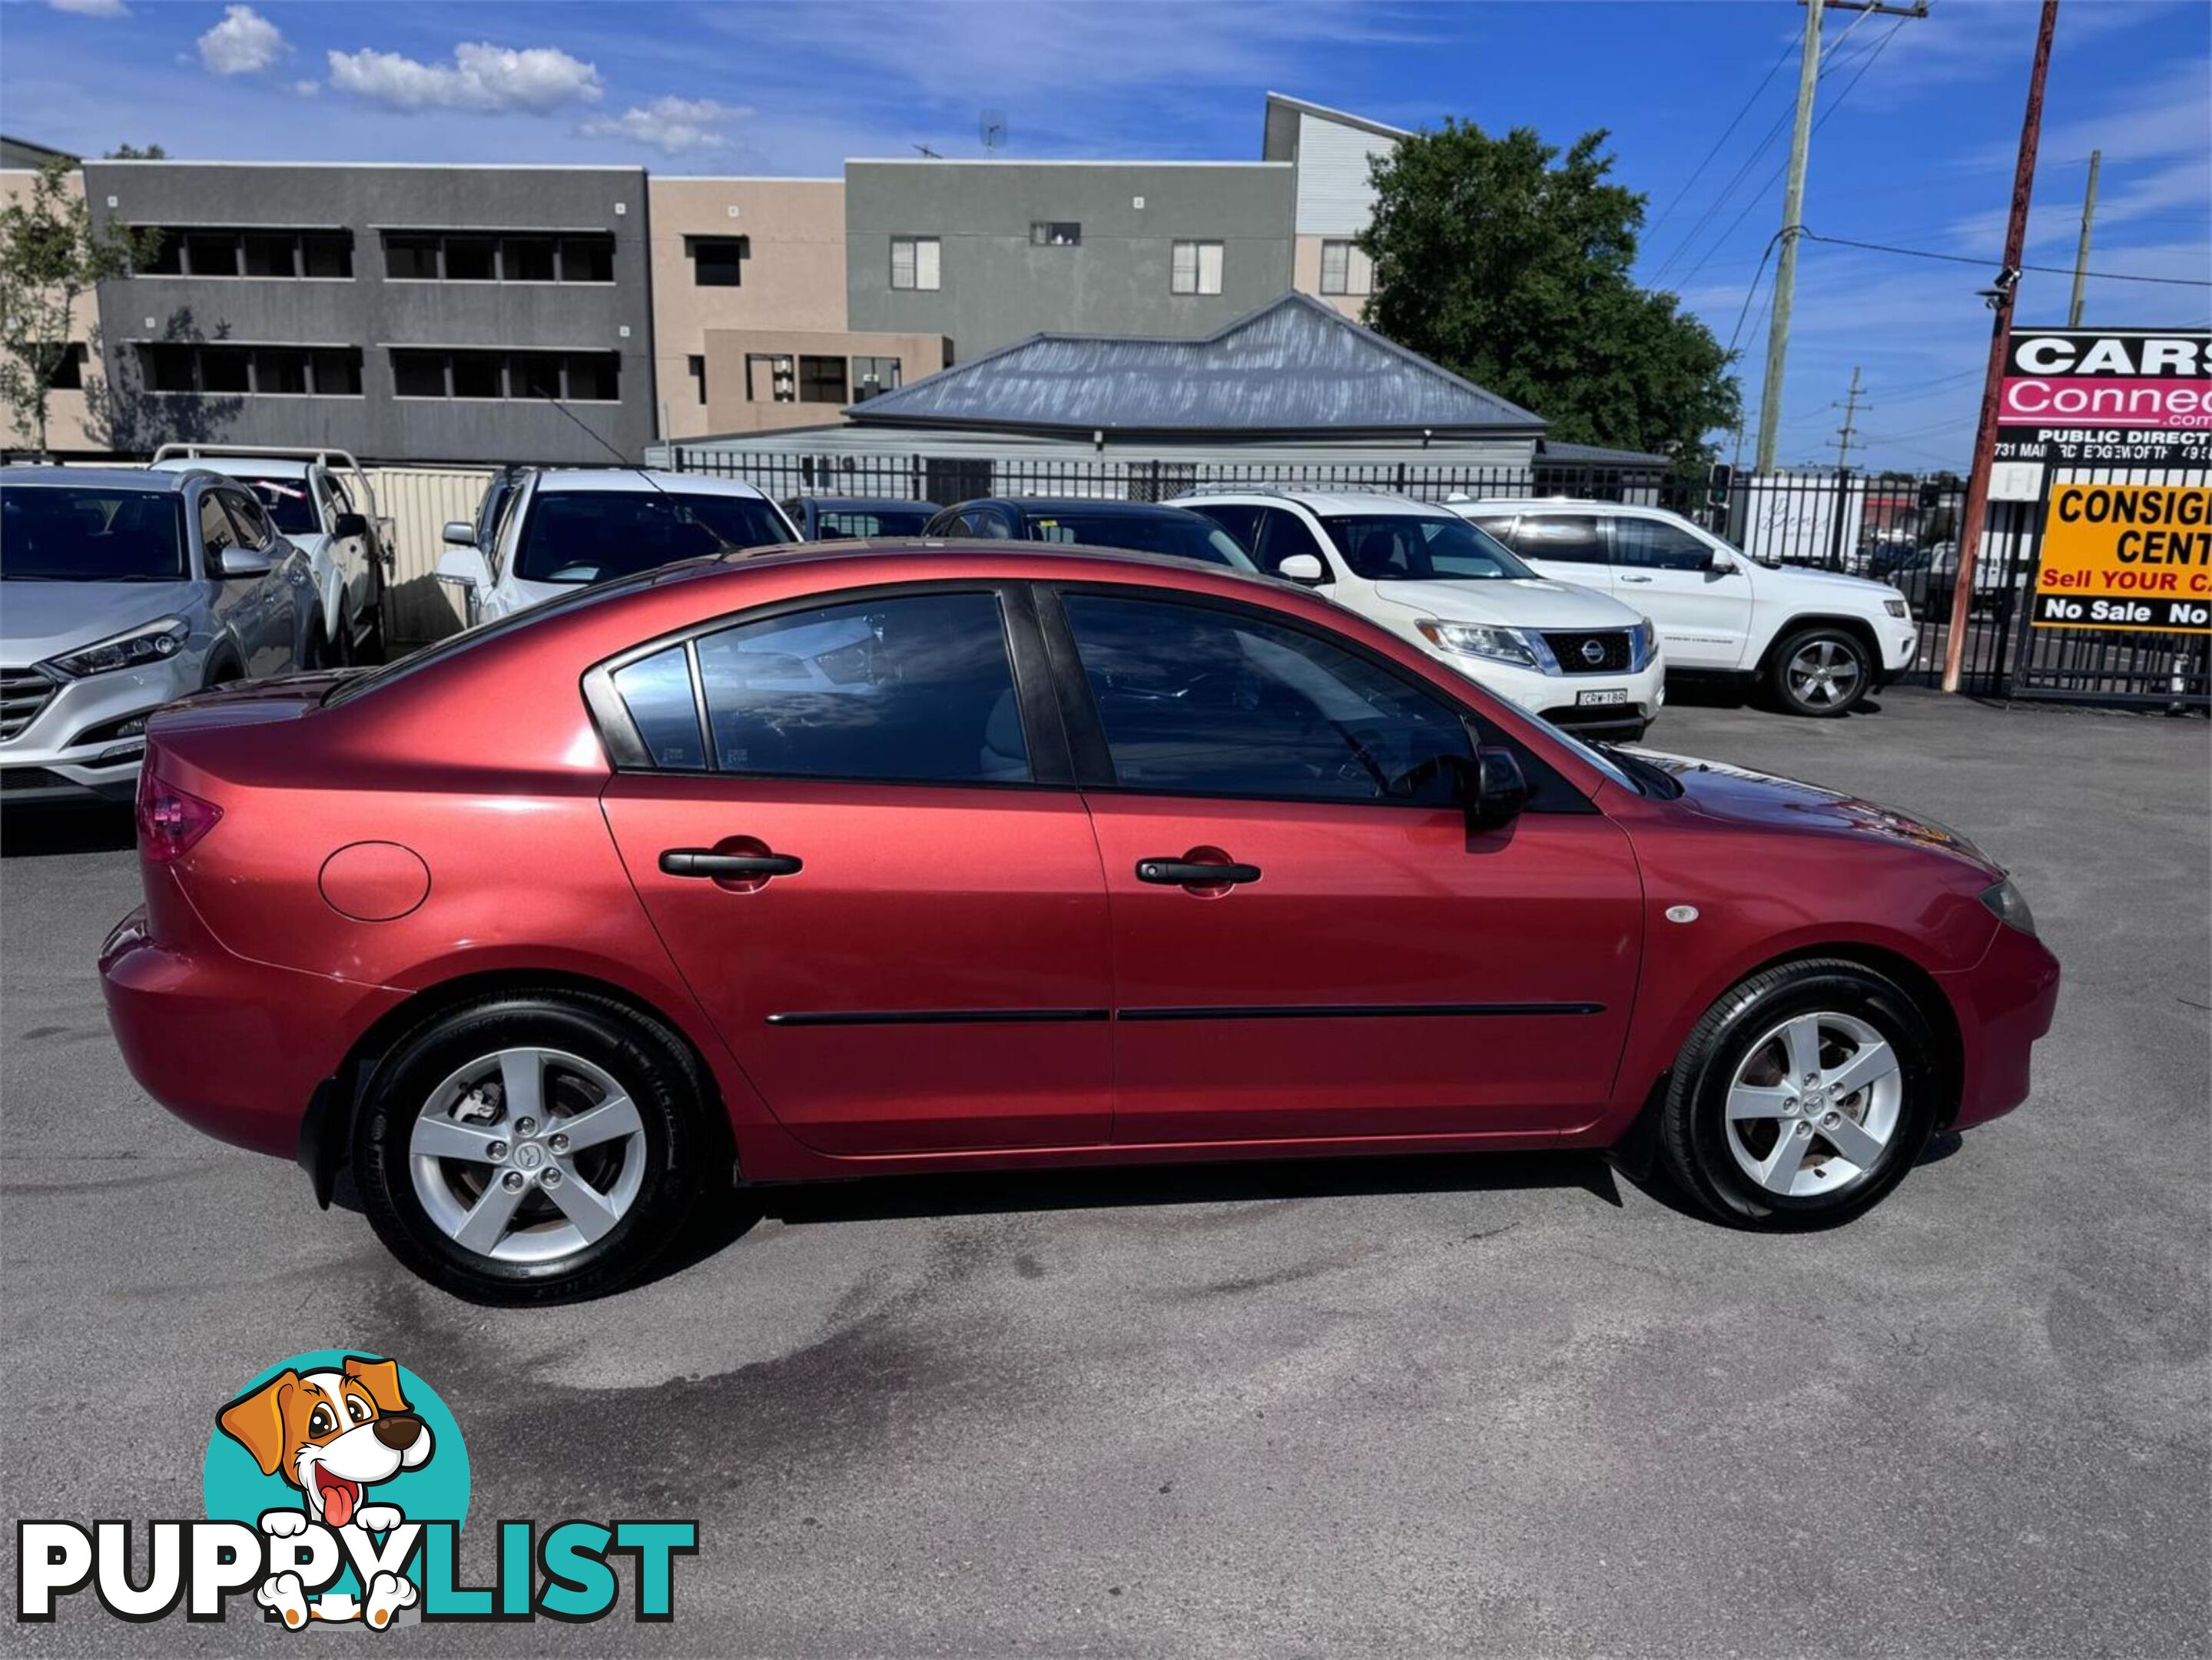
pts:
[2127, 556]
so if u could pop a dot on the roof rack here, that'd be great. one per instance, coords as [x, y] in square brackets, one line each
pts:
[1219, 487]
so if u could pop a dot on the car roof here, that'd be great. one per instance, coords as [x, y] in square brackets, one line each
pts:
[637, 481]
[1317, 502]
[1562, 503]
[866, 502]
[105, 478]
[237, 467]
[1071, 505]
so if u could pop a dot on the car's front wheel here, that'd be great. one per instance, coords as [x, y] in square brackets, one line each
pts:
[1802, 1095]
[529, 1148]
[1821, 671]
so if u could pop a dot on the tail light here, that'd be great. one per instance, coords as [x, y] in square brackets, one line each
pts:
[170, 820]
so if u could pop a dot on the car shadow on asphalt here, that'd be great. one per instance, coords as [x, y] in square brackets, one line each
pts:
[42, 832]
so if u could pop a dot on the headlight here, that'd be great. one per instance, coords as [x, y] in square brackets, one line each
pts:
[1479, 640]
[1897, 607]
[1643, 642]
[155, 643]
[2005, 904]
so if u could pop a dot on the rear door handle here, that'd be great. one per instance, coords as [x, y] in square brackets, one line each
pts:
[705, 862]
[1189, 873]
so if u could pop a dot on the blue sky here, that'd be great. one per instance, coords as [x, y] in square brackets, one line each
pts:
[1915, 148]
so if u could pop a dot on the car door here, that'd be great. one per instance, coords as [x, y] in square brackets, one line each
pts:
[1567, 547]
[1366, 967]
[270, 618]
[349, 553]
[1666, 571]
[910, 953]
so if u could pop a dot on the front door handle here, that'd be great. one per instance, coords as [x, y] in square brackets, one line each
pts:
[1191, 873]
[705, 862]
[1626, 578]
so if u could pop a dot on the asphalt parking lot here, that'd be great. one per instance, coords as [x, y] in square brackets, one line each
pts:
[1506, 1405]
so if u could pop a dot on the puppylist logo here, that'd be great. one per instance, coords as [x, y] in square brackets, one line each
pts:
[336, 1485]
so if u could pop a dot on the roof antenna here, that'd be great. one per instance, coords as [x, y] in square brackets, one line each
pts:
[722, 543]
[991, 127]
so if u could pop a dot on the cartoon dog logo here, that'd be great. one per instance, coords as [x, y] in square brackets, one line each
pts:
[333, 1435]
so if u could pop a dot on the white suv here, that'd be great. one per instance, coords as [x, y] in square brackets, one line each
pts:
[1818, 642]
[1579, 660]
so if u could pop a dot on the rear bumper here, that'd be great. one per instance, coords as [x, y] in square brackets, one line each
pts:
[2005, 1003]
[234, 1048]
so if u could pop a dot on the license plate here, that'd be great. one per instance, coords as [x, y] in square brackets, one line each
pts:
[1609, 695]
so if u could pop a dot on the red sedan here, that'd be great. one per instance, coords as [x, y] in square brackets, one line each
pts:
[886, 858]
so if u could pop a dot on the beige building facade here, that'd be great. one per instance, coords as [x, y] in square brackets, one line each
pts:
[67, 432]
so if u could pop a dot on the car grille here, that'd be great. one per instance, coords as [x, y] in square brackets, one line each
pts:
[22, 780]
[23, 693]
[1575, 656]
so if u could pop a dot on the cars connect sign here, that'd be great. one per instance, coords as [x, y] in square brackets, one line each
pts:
[2106, 397]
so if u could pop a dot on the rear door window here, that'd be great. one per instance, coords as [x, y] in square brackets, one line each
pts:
[1570, 539]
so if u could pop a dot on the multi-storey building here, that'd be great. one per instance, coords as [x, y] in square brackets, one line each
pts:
[411, 313]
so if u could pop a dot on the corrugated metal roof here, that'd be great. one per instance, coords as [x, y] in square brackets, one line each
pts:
[1598, 455]
[1295, 365]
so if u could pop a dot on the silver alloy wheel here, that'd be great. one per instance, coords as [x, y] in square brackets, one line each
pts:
[1813, 1104]
[527, 1155]
[1823, 673]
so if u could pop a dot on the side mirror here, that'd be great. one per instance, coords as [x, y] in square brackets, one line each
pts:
[464, 567]
[1302, 568]
[1723, 564]
[348, 525]
[459, 533]
[242, 562]
[1499, 791]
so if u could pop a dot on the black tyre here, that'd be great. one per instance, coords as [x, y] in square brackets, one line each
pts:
[1820, 671]
[531, 1147]
[1801, 1097]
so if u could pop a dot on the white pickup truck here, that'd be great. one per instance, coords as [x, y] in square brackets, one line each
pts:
[323, 503]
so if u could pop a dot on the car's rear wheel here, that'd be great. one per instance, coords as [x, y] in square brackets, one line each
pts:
[1822, 672]
[530, 1147]
[1802, 1097]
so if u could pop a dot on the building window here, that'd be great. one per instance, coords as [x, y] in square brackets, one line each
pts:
[1346, 269]
[771, 377]
[873, 376]
[579, 377]
[822, 380]
[231, 371]
[67, 375]
[525, 257]
[718, 262]
[915, 261]
[697, 364]
[1196, 268]
[1055, 234]
[189, 250]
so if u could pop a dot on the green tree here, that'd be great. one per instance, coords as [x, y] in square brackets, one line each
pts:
[132, 153]
[50, 256]
[1508, 264]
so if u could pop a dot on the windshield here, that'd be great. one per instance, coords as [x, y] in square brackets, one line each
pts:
[1404, 547]
[1178, 535]
[873, 521]
[287, 503]
[60, 533]
[588, 536]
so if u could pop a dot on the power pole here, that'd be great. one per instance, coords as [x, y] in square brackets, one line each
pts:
[1848, 434]
[1793, 205]
[1985, 431]
[2082, 252]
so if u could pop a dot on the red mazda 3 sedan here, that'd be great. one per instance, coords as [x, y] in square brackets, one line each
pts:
[893, 858]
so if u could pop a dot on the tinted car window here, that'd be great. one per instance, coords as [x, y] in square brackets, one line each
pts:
[1216, 702]
[1501, 529]
[254, 527]
[216, 532]
[588, 536]
[1572, 538]
[870, 521]
[66, 535]
[1404, 547]
[1180, 536]
[1654, 544]
[657, 692]
[918, 689]
[1240, 520]
[287, 503]
[1283, 533]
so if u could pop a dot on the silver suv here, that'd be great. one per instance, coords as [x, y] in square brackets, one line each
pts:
[120, 591]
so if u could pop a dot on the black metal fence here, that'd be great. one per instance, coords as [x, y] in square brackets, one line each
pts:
[1892, 527]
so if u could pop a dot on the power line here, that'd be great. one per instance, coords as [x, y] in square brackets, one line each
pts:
[1975, 259]
[1698, 172]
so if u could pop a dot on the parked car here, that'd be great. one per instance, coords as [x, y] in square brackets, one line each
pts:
[122, 589]
[560, 528]
[885, 860]
[1818, 642]
[499, 491]
[825, 518]
[1581, 661]
[1138, 526]
[1928, 576]
[324, 504]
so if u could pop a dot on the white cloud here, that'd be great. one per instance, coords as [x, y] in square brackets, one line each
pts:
[244, 43]
[92, 7]
[675, 126]
[482, 76]
[307, 89]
